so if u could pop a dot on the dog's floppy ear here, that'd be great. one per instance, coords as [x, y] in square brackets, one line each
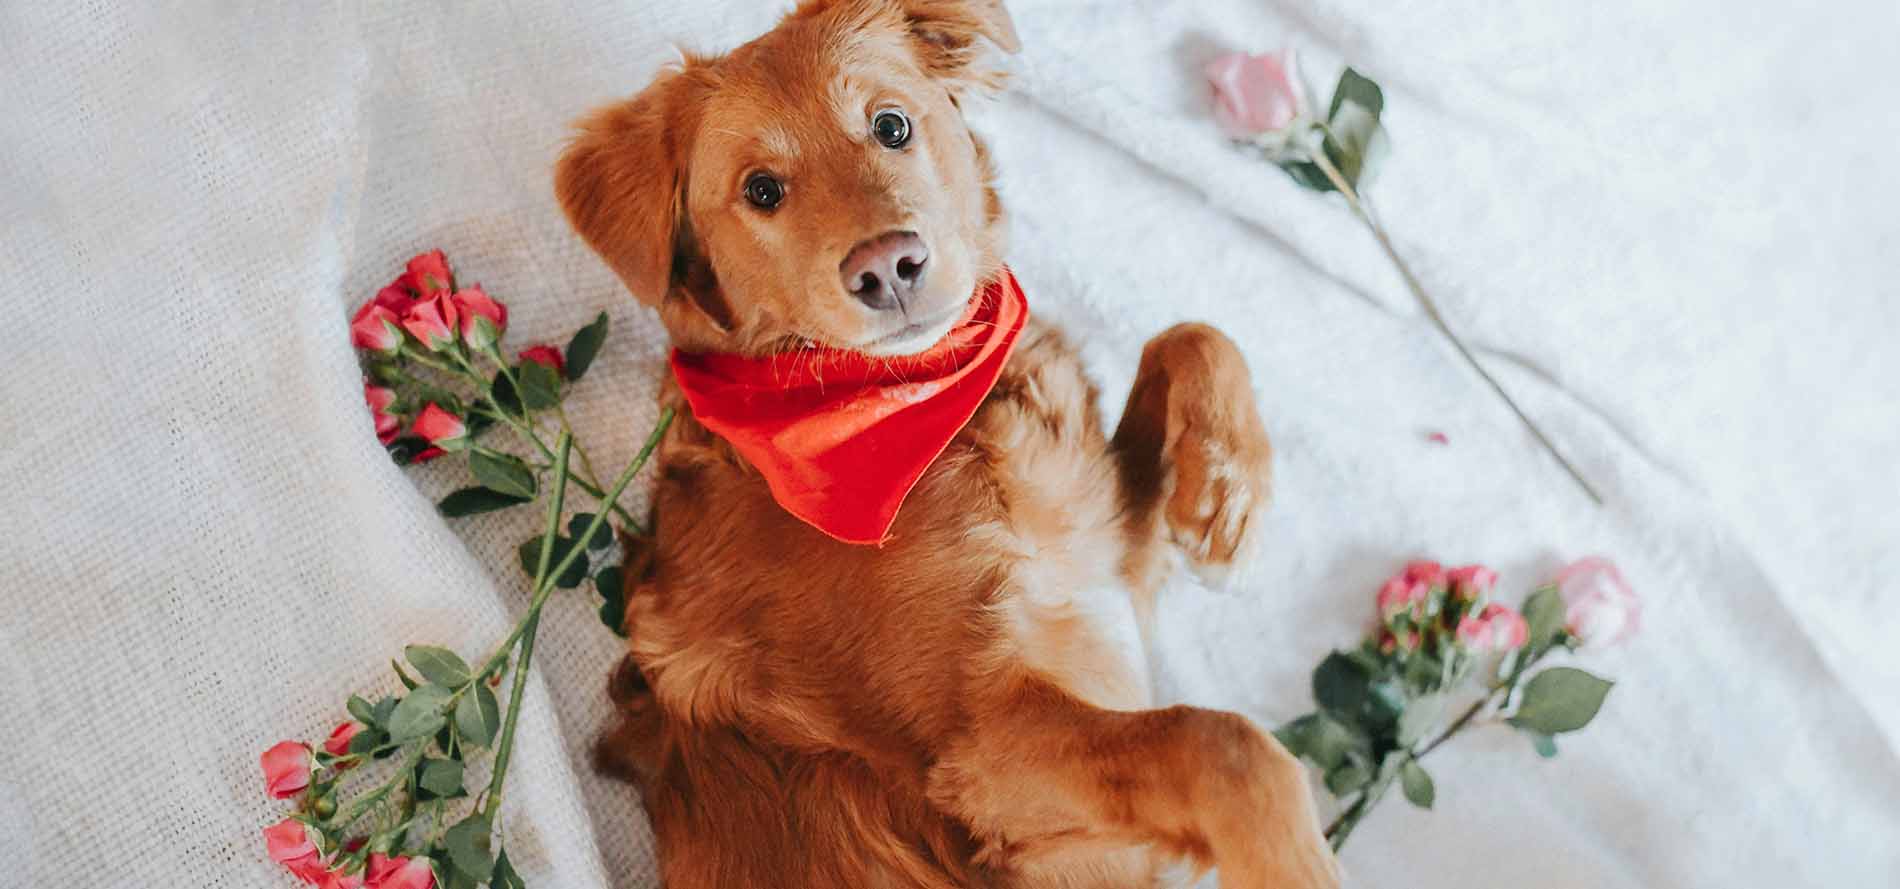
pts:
[947, 31]
[622, 183]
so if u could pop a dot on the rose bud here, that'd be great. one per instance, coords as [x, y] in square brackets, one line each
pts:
[547, 355]
[286, 769]
[1496, 628]
[426, 455]
[1472, 582]
[1600, 609]
[337, 879]
[433, 322]
[290, 846]
[398, 873]
[376, 329]
[380, 398]
[429, 273]
[443, 429]
[1426, 572]
[1255, 95]
[1401, 595]
[483, 319]
[338, 744]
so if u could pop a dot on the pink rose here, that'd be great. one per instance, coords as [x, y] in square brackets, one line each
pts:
[286, 769]
[338, 744]
[291, 847]
[377, 329]
[339, 880]
[380, 398]
[433, 322]
[429, 273]
[1401, 595]
[441, 428]
[398, 873]
[1496, 628]
[1600, 609]
[1428, 573]
[1255, 95]
[483, 319]
[1472, 582]
[547, 355]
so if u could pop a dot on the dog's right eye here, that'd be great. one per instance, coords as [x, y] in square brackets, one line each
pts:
[763, 191]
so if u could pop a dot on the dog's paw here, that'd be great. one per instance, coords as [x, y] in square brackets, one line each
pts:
[1218, 490]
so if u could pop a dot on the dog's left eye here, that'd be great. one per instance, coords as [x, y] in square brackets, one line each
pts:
[891, 128]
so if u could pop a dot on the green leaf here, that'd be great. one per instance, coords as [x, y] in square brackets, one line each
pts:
[474, 501]
[1309, 175]
[1387, 700]
[585, 345]
[384, 707]
[530, 553]
[503, 473]
[361, 711]
[1359, 90]
[603, 536]
[441, 777]
[1340, 685]
[540, 386]
[505, 876]
[1347, 778]
[504, 392]
[404, 450]
[438, 665]
[407, 681]
[1560, 699]
[1544, 615]
[1545, 745]
[611, 581]
[367, 740]
[1417, 784]
[419, 715]
[1419, 717]
[477, 715]
[468, 845]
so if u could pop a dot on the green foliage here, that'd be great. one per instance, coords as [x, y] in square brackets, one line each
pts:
[442, 778]
[504, 876]
[504, 474]
[1560, 699]
[540, 386]
[438, 665]
[530, 553]
[584, 346]
[603, 535]
[612, 584]
[361, 711]
[1417, 784]
[478, 715]
[419, 715]
[477, 500]
[1544, 617]
[468, 845]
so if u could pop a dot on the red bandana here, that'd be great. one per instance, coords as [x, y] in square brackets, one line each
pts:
[841, 437]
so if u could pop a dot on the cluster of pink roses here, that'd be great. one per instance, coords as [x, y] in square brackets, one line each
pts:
[1426, 600]
[422, 312]
[288, 767]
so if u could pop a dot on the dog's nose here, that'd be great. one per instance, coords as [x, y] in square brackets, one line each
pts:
[882, 272]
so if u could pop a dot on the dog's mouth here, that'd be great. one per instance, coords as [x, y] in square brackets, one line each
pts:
[917, 336]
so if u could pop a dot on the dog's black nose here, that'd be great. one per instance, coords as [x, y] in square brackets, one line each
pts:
[884, 271]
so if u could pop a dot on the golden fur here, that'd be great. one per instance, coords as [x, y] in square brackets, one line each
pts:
[965, 706]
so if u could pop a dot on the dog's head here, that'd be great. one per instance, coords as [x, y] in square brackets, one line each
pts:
[817, 185]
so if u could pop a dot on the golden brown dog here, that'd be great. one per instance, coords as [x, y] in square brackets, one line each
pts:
[967, 705]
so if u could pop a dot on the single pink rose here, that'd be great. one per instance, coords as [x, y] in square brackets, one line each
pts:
[1600, 609]
[376, 329]
[380, 398]
[338, 744]
[398, 873]
[547, 355]
[1472, 582]
[1401, 595]
[429, 273]
[1496, 628]
[432, 321]
[441, 428]
[1255, 95]
[1428, 573]
[286, 769]
[483, 319]
[289, 845]
[340, 880]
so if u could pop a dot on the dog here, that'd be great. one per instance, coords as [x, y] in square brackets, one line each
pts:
[966, 705]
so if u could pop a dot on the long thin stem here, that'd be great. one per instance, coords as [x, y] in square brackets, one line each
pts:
[1425, 301]
[363, 805]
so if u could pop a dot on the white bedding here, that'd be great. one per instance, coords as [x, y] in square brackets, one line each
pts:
[1668, 226]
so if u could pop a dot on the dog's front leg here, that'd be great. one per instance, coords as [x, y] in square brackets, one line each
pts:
[1042, 768]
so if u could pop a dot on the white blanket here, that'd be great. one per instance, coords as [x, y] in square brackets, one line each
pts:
[1669, 227]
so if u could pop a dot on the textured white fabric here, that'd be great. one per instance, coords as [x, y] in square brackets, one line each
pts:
[1664, 224]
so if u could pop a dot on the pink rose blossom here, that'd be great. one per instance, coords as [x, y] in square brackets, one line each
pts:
[1401, 595]
[547, 355]
[380, 398]
[1428, 573]
[377, 329]
[398, 873]
[1255, 95]
[443, 429]
[1600, 609]
[483, 319]
[338, 744]
[339, 880]
[433, 322]
[289, 845]
[1472, 582]
[1496, 628]
[286, 769]
[429, 273]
